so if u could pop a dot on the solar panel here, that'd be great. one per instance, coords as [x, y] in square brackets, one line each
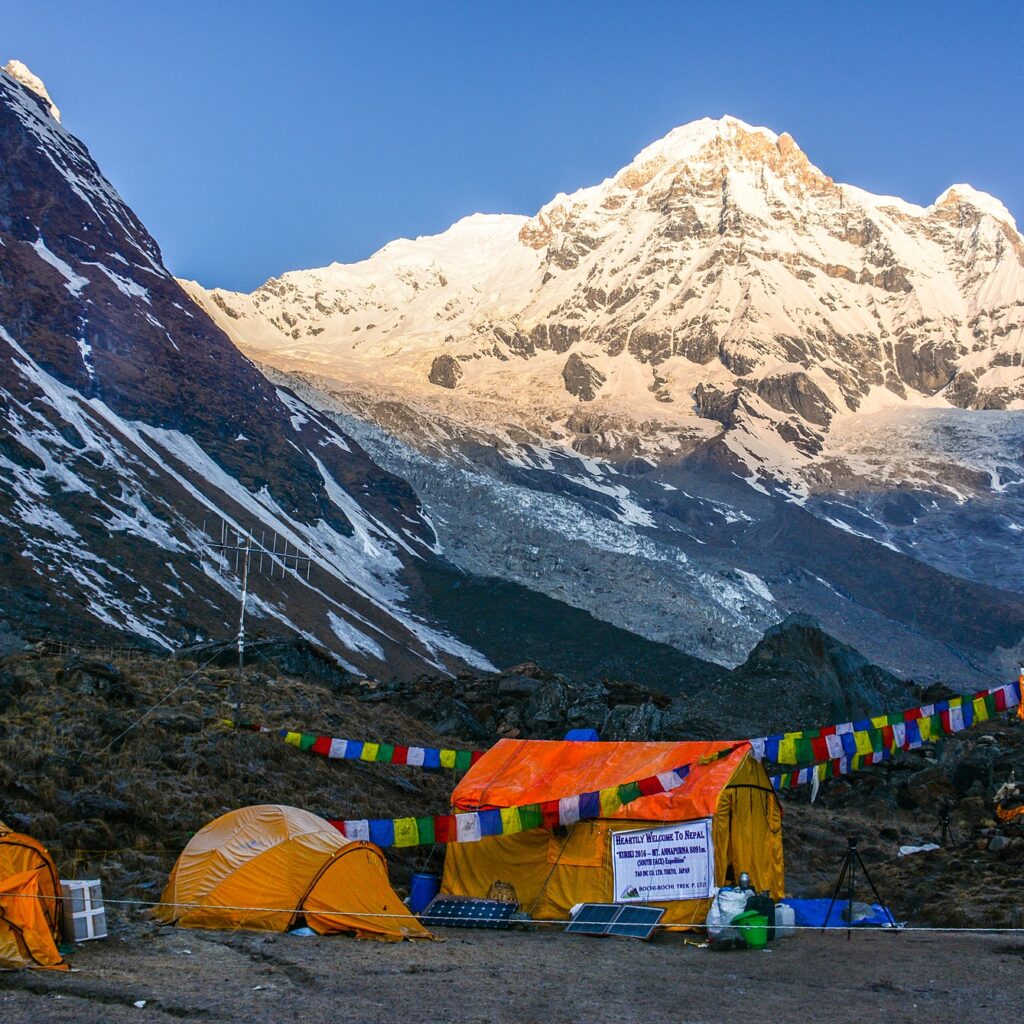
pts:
[593, 918]
[634, 922]
[460, 912]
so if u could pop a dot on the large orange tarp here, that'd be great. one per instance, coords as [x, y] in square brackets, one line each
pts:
[515, 772]
[261, 867]
[552, 871]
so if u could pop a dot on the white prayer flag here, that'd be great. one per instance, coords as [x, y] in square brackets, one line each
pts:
[358, 829]
[569, 810]
[467, 826]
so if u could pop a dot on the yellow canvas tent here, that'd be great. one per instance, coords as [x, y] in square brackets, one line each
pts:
[30, 923]
[727, 792]
[263, 867]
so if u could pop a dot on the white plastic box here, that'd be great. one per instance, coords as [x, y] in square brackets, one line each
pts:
[84, 915]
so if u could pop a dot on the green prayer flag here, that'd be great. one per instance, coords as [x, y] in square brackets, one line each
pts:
[629, 791]
[531, 816]
[425, 827]
[463, 760]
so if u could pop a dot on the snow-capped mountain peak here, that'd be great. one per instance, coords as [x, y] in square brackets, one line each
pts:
[983, 201]
[20, 73]
[717, 284]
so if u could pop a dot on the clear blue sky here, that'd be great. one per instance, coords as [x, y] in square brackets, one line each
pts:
[254, 138]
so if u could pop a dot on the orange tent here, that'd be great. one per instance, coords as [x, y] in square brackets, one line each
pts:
[264, 867]
[551, 872]
[30, 921]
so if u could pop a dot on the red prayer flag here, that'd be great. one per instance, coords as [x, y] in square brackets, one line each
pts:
[322, 746]
[650, 786]
[445, 830]
[400, 756]
[549, 812]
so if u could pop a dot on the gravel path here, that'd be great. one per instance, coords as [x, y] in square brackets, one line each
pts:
[545, 976]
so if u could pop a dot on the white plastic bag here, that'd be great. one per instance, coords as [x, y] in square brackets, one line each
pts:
[727, 904]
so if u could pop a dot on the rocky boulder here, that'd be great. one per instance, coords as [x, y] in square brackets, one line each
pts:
[796, 676]
[797, 393]
[445, 371]
[581, 379]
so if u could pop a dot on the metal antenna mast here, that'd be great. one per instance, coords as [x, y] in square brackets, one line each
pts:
[246, 556]
[241, 546]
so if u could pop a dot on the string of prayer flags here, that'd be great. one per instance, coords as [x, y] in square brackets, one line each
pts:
[854, 745]
[902, 730]
[827, 770]
[472, 826]
[380, 753]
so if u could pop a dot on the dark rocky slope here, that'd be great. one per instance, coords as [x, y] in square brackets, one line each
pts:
[129, 420]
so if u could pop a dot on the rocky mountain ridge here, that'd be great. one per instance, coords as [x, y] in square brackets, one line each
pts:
[132, 430]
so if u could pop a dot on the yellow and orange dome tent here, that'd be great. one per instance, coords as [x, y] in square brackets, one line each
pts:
[30, 907]
[266, 866]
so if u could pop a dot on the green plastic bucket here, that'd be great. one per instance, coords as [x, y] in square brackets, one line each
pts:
[752, 928]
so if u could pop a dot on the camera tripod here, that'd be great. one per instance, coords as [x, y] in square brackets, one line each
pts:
[947, 829]
[847, 874]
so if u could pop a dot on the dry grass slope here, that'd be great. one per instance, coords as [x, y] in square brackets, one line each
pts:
[125, 814]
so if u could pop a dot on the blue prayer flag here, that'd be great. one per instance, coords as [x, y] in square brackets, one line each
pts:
[382, 831]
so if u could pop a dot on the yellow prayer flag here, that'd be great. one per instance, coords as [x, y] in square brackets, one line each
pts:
[406, 832]
[447, 758]
[369, 752]
[980, 711]
[610, 802]
[294, 739]
[787, 749]
[510, 822]
[863, 742]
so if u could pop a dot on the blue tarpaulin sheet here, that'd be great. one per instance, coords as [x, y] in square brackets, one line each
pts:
[812, 914]
[582, 735]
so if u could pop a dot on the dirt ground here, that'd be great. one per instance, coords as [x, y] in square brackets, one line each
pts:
[483, 976]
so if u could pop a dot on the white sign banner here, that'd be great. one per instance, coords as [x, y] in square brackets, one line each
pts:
[657, 865]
